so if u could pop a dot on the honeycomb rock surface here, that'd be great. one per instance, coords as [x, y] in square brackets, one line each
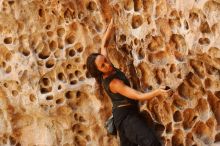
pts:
[47, 97]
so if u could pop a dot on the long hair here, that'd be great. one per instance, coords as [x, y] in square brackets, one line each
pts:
[95, 73]
[92, 68]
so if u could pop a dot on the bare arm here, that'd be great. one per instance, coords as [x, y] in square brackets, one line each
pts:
[117, 86]
[106, 39]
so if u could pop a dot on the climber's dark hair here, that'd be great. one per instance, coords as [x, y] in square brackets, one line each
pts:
[92, 68]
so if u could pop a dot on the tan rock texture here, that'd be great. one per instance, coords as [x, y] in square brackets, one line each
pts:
[47, 97]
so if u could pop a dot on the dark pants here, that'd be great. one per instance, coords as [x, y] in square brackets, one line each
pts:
[134, 131]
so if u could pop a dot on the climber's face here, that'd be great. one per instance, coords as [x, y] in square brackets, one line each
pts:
[103, 64]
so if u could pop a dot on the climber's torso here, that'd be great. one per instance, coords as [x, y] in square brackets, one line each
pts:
[116, 98]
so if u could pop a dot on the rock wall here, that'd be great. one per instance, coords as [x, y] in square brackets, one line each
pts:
[47, 97]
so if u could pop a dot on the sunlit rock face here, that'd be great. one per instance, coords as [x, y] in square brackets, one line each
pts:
[47, 97]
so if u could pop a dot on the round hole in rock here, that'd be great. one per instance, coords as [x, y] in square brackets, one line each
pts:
[78, 94]
[48, 26]
[72, 52]
[77, 60]
[78, 73]
[179, 76]
[71, 75]
[3, 64]
[60, 76]
[14, 92]
[42, 55]
[204, 27]
[8, 40]
[172, 68]
[59, 101]
[6, 85]
[69, 94]
[76, 117]
[141, 54]
[136, 41]
[177, 116]
[45, 90]
[60, 32]
[25, 52]
[32, 97]
[208, 82]
[46, 81]
[81, 78]
[11, 2]
[8, 69]
[80, 49]
[80, 132]
[60, 45]
[73, 82]
[70, 39]
[204, 41]
[49, 97]
[53, 45]
[41, 12]
[122, 38]
[59, 87]
[91, 6]
[137, 21]
[50, 33]
[186, 24]
[69, 66]
[169, 127]
[137, 5]
[50, 63]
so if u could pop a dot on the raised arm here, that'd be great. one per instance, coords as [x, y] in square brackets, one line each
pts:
[106, 38]
[117, 86]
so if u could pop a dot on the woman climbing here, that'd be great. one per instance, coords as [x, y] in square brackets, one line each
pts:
[131, 127]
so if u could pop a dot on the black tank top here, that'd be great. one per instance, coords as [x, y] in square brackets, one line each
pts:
[116, 98]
